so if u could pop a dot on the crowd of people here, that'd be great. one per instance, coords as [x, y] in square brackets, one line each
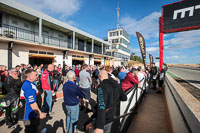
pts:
[28, 85]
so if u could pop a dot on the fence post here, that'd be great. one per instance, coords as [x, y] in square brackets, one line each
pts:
[136, 103]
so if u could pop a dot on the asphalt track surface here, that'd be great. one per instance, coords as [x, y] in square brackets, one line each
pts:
[189, 75]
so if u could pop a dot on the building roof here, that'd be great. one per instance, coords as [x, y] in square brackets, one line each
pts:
[19, 8]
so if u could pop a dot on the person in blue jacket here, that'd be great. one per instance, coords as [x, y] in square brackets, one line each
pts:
[72, 94]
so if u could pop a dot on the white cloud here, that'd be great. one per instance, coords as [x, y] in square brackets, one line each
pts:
[184, 40]
[60, 8]
[172, 57]
[147, 26]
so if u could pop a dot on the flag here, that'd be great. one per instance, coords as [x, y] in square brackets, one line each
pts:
[141, 42]
[151, 60]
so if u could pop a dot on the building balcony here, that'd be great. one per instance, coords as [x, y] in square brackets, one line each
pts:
[32, 36]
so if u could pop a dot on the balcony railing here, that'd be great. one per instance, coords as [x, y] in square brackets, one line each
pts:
[32, 36]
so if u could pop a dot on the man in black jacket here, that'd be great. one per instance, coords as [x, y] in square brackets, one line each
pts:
[109, 93]
[13, 86]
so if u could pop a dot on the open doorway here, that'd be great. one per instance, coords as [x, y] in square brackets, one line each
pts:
[76, 62]
[97, 63]
[39, 60]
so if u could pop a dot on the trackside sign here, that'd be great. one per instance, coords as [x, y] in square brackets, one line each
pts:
[181, 16]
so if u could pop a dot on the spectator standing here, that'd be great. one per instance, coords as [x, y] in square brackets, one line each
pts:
[64, 72]
[12, 85]
[122, 75]
[109, 93]
[96, 77]
[153, 76]
[72, 95]
[130, 79]
[56, 75]
[85, 83]
[48, 87]
[4, 74]
[59, 68]
[18, 71]
[109, 71]
[77, 75]
[31, 121]
[161, 78]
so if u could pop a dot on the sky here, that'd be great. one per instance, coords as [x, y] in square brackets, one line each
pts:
[98, 16]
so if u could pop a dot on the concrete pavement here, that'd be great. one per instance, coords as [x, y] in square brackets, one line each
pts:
[152, 115]
[56, 123]
[191, 76]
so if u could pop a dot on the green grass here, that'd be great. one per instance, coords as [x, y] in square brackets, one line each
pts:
[172, 75]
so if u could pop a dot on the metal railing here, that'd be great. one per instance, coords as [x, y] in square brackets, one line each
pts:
[18, 33]
[135, 95]
[31, 36]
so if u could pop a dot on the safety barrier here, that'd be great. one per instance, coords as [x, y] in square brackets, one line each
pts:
[129, 108]
[184, 109]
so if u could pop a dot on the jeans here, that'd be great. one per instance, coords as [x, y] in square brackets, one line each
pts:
[77, 80]
[56, 82]
[47, 100]
[72, 118]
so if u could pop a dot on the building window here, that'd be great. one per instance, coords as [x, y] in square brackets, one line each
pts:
[124, 42]
[114, 33]
[42, 52]
[70, 42]
[80, 45]
[115, 41]
[50, 53]
[14, 21]
[45, 32]
[26, 26]
[33, 52]
[88, 47]
[60, 36]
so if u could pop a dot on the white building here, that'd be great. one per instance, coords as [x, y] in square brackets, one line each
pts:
[120, 48]
[29, 36]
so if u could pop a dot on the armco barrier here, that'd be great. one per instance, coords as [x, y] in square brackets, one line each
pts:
[184, 109]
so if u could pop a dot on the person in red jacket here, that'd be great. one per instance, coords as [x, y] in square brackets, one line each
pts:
[77, 75]
[130, 79]
[3, 76]
[48, 87]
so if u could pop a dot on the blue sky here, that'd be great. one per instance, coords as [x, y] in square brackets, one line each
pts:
[98, 16]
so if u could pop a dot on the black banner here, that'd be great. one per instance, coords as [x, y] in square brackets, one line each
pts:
[151, 60]
[181, 16]
[141, 42]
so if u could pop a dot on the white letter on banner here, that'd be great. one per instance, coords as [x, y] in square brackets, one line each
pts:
[182, 11]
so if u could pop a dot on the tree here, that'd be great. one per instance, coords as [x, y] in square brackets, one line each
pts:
[134, 57]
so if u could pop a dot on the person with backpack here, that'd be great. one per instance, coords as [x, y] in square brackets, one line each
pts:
[109, 93]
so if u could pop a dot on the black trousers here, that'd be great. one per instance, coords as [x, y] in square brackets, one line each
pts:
[31, 126]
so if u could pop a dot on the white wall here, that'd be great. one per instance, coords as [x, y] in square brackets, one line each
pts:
[3, 53]
[21, 54]
[181, 104]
